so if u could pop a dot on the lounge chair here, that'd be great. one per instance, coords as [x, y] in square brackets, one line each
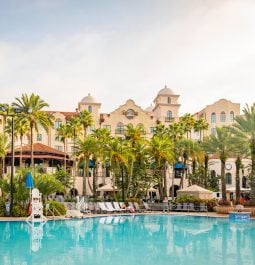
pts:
[110, 207]
[179, 207]
[192, 207]
[203, 207]
[103, 208]
[185, 207]
[147, 207]
[117, 207]
[137, 207]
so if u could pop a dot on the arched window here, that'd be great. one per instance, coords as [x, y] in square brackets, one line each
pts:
[90, 109]
[169, 114]
[228, 178]
[223, 116]
[168, 100]
[120, 128]
[58, 122]
[232, 116]
[213, 117]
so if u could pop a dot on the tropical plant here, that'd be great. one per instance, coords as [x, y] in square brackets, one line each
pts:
[86, 120]
[244, 127]
[4, 147]
[161, 149]
[220, 145]
[32, 108]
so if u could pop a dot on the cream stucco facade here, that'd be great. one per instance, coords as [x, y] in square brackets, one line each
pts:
[163, 110]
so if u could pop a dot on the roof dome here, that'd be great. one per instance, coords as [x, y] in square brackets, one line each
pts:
[149, 109]
[88, 99]
[166, 91]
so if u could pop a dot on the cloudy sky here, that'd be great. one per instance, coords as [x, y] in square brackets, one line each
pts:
[119, 49]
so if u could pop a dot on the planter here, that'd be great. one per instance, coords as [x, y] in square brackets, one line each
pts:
[223, 209]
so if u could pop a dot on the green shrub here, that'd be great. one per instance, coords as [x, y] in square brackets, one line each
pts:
[2, 207]
[19, 211]
[188, 198]
[56, 208]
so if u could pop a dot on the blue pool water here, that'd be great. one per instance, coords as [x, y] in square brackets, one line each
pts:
[126, 240]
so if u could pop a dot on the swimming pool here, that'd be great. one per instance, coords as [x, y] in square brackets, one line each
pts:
[126, 240]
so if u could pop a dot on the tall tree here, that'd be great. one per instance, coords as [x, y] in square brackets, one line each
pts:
[4, 147]
[32, 108]
[161, 149]
[200, 126]
[21, 128]
[187, 121]
[86, 120]
[244, 127]
[220, 144]
[64, 133]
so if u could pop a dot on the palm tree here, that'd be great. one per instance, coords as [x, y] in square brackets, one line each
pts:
[200, 126]
[86, 120]
[117, 153]
[187, 121]
[4, 147]
[21, 128]
[31, 107]
[220, 144]
[74, 127]
[64, 133]
[161, 149]
[244, 127]
[86, 148]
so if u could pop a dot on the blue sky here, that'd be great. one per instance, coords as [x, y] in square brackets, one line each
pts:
[121, 49]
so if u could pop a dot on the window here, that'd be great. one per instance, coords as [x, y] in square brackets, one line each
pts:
[168, 100]
[58, 122]
[232, 116]
[213, 131]
[119, 128]
[169, 116]
[90, 109]
[228, 178]
[39, 137]
[108, 127]
[152, 129]
[59, 147]
[223, 116]
[213, 117]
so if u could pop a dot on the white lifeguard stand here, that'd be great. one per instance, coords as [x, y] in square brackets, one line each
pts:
[36, 210]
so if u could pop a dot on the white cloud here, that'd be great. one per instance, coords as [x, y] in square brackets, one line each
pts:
[204, 56]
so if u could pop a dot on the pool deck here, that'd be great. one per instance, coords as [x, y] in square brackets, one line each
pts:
[89, 215]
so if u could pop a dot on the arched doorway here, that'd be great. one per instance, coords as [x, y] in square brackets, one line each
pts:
[176, 187]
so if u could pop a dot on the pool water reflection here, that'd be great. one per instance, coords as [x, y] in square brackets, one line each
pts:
[148, 239]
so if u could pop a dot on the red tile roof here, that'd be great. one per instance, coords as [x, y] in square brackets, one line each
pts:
[41, 149]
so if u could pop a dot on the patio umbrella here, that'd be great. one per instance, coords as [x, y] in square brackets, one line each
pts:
[29, 181]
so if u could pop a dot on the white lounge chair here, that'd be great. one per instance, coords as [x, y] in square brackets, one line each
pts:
[117, 207]
[103, 208]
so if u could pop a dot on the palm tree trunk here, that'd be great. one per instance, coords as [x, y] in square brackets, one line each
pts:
[20, 155]
[206, 170]
[130, 178]
[65, 155]
[238, 191]
[223, 180]
[84, 192]
[252, 181]
[31, 146]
